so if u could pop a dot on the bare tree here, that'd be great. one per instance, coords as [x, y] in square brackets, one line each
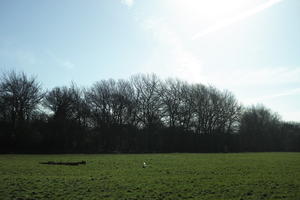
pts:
[20, 95]
[100, 101]
[176, 103]
[214, 111]
[258, 126]
[169, 92]
[230, 113]
[60, 101]
[201, 108]
[80, 106]
[147, 100]
[123, 106]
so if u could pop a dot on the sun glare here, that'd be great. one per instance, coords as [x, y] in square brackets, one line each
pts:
[210, 10]
[202, 17]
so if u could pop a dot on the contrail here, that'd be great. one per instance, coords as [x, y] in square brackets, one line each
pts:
[236, 19]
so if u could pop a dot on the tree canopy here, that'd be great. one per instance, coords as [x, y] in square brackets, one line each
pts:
[142, 114]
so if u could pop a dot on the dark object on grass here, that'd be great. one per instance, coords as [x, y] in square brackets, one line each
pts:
[64, 163]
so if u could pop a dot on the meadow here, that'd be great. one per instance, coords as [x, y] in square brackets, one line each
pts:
[236, 176]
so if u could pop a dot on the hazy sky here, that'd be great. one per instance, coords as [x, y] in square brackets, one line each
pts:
[250, 47]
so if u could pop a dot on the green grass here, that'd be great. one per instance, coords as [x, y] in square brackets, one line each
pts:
[169, 176]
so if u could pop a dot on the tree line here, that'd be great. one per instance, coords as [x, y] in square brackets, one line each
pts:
[138, 115]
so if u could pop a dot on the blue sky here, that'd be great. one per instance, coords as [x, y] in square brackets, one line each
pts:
[250, 47]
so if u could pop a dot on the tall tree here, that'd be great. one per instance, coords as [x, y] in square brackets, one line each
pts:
[172, 99]
[60, 101]
[20, 95]
[147, 100]
[258, 128]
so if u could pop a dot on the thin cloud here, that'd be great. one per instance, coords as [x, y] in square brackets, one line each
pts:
[26, 57]
[67, 64]
[20, 56]
[277, 95]
[238, 18]
[256, 77]
[128, 3]
[61, 62]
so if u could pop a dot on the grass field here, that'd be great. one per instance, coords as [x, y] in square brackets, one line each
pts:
[169, 176]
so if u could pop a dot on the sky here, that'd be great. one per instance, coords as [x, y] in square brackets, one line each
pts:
[249, 47]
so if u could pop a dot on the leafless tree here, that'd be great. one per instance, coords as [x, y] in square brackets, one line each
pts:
[19, 96]
[99, 98]
[258, 127]
[214, 111]
[147, 99]
[60, 101]
[171, 97]
[123, 103]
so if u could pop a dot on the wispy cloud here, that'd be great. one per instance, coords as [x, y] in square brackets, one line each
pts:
[26, 57]
[229, 21]
[65, 63]
[255, 76]
[20, 56]
[290, 92]
[128, 3]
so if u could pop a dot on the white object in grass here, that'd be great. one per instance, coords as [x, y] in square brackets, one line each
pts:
[144, 165]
